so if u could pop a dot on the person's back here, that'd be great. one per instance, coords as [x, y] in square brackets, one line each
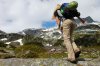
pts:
[69, 10]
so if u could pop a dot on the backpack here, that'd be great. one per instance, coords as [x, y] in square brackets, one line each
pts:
[67, 13]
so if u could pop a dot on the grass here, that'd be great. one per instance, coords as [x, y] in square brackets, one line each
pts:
[90, 52]
[52, 55]
[40, 52]
[29, 51]
[34, 51]
[5, 56]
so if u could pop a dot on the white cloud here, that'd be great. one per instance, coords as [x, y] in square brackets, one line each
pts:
[16, 15]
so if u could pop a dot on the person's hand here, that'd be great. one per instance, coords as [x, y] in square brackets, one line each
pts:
[83, 21]
[60, 28]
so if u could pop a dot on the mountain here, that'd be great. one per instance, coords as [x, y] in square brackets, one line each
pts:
[88, 26]
[45, 36]
[2, 32]
[42, 33]
[9, 38]
[51, 35]
[87, 19]
[31, 31]
[96, 23]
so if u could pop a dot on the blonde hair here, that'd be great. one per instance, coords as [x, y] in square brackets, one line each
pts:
[57, 7]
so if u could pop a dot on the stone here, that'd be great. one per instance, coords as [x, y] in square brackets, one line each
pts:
[46, 62]
[14, 44]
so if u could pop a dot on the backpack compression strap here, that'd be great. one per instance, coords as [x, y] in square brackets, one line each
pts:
[61, 16]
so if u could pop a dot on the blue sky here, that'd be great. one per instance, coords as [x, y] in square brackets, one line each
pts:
[16, 15]
[49, 24]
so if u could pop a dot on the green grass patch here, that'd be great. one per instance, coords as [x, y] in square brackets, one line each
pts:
[52, 55]
[90, 52]
[5, 56]
[29, 51]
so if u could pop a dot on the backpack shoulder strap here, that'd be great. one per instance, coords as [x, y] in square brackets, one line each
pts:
[59, 13]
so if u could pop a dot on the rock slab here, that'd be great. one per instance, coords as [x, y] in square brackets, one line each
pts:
[46, 62]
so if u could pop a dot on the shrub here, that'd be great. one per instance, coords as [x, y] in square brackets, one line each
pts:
[28, 39]
[29, 51]
[4, 56]
[52, 55]
[87, 39]
[2, 44]
[59, 42]
[98, 41]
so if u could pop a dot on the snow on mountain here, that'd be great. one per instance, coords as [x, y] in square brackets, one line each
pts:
[96, 23]
[43, 33]
[3, 39]
[53, 34]
[19, 40]
[7, 42]
[31, 31]
[16, 41]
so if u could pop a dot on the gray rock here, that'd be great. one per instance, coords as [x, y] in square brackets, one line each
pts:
[46, 62]
[14, 44]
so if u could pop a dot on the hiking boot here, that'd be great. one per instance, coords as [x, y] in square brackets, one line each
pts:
[77, 54]
[72, 61]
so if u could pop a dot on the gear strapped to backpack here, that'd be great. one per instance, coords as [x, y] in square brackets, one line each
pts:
[67, 11]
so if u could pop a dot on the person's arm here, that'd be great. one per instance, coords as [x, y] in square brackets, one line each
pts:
[58, 22]
[77, 14]
[56, 17]
[81, 19]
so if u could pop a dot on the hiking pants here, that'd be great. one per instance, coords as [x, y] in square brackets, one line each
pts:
[68, 28]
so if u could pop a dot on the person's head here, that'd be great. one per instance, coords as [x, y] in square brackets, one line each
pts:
[73, 5]
[57, 7]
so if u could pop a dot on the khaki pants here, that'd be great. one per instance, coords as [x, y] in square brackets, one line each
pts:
[68, 28]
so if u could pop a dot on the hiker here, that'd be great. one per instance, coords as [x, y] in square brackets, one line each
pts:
[65, 13]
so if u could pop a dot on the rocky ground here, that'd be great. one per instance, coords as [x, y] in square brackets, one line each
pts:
[48, 62]
[90, 56]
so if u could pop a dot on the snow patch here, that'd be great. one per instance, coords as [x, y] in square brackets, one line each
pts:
[7, 42]
[19, 40]
[3, 39]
